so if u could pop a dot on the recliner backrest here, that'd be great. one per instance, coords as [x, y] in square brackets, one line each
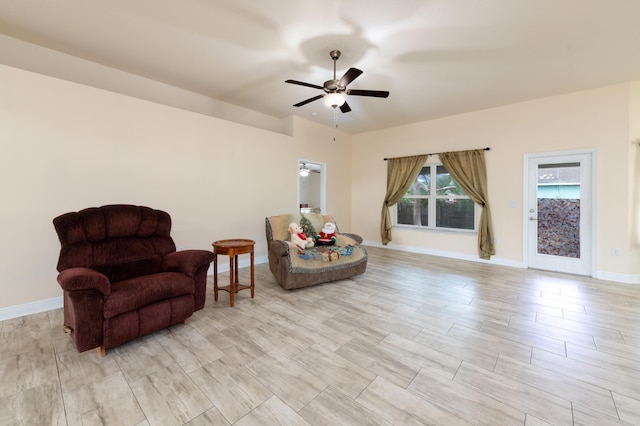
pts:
[121, 241]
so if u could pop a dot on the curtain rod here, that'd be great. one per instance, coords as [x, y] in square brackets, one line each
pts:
[436, 153]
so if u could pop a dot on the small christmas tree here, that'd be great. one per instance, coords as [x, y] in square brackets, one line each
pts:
[307, 228]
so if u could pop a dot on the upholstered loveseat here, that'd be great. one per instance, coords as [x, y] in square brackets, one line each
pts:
[122, 277]
[320, 264]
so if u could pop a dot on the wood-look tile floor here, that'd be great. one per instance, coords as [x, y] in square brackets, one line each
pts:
[415, 340]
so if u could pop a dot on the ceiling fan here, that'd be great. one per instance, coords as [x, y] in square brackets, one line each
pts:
[336, 90]
[304, 170]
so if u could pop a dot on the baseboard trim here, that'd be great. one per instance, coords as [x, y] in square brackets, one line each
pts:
[38, 306]
[30, 308]
[601, 275]
[243, 262]
[451, 255]
[619, 278]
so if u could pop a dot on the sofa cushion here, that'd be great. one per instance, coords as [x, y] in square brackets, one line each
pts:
[134, 293]
[132, 269]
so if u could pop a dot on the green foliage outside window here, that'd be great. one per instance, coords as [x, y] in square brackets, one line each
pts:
[445, 201]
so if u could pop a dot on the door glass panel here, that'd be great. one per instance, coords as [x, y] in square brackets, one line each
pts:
[559, 209]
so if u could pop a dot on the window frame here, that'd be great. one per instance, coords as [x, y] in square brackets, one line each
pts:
[432, 205]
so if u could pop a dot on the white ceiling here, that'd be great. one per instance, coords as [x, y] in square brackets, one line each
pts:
[436, 57]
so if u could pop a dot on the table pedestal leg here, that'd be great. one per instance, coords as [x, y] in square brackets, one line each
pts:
[215, 277]
[252, 285]
[233, 279]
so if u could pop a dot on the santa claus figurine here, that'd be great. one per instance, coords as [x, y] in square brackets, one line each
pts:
[327, 237]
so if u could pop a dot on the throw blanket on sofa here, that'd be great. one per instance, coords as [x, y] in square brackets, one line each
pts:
[310, 264]
[327, 253]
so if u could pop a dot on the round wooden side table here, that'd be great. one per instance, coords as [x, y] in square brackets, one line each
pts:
[232, 248]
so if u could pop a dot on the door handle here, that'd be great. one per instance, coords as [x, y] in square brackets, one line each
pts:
[533, 218]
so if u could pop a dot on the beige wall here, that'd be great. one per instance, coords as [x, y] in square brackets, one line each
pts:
[634, 171]
[590, 120]
[32, 57]
[65, 146]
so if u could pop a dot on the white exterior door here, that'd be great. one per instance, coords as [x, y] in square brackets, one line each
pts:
[559, 212]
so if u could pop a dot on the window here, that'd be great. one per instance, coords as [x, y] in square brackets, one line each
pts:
[436, 201]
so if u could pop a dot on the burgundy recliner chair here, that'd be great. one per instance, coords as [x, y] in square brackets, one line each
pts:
[122, 277]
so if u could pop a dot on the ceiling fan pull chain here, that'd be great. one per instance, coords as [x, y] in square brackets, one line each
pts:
[335, 122]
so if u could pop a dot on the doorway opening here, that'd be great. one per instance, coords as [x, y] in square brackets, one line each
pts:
[311, 186]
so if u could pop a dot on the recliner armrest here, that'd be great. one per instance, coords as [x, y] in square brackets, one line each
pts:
[279, 247]
[354, 237]
[84, 279]
[186, 261]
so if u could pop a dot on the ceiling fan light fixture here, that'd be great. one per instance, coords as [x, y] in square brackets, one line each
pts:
[335, 90]
[335, 99]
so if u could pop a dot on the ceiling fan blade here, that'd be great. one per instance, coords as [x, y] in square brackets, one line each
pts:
[374, 93]
[315, 98]
[302, 83]
[349, 76]
[345, 107]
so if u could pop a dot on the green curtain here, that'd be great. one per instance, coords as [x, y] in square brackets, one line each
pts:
[468, 169]
[401, 172]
